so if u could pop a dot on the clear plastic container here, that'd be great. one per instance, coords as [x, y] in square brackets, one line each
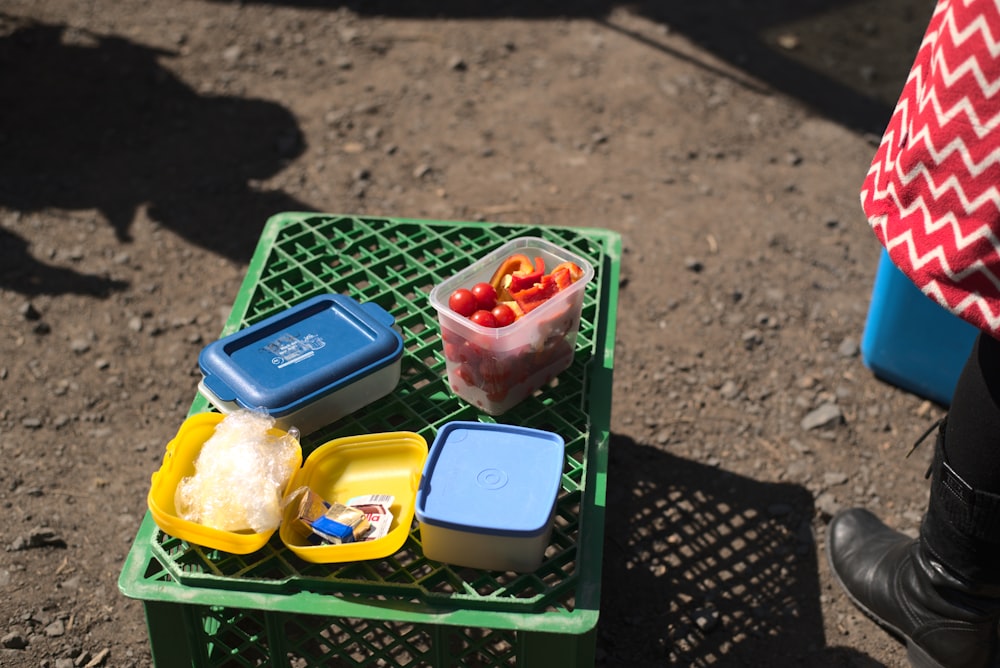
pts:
[495, 368]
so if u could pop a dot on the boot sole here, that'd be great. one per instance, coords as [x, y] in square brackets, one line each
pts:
[915, 654]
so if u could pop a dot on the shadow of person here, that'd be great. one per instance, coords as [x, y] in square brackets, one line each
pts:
[846, 64]
[96, 122]
[704, 567]
[22, 272]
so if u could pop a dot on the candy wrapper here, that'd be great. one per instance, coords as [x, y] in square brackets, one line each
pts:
[376, 509]
[362, 518]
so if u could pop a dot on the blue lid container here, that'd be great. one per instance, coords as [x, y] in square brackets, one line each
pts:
[494, 479]
[301, 355]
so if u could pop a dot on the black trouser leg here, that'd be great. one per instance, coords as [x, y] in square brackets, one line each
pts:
[972, 433]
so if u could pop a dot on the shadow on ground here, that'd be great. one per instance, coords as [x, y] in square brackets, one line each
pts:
[96, 122]
[704, 567]
[847, 60]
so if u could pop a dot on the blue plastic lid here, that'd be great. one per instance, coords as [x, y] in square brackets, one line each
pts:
[301, 354]
[491, 479]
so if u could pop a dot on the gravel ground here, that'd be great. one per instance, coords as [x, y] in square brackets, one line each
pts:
[144, 143]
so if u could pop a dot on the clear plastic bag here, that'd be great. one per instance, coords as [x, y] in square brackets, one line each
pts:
[240, 475]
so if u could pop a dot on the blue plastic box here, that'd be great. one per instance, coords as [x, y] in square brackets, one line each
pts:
[912, 341]
[487, 496]
[307, 366]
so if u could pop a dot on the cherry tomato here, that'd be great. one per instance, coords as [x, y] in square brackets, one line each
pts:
[485, 294]
[503, 314]
[462, 302]
[484, 318]
[466, 374]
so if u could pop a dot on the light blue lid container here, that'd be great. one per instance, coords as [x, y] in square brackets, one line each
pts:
[912, 341]
[320, 348]
[492, 479]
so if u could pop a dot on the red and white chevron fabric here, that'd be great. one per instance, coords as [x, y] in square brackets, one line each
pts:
[931, 194]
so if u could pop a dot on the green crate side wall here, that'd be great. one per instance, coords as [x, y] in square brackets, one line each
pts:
[229, 637]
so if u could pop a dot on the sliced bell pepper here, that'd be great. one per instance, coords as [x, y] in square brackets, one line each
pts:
[532, 297]
[566, 274]
[519, 280]
[515, 263]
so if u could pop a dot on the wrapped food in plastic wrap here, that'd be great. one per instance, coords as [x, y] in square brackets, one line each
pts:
[240, 475]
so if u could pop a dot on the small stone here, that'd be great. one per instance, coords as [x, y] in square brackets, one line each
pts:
[29, 312]
[793, 159]
[752, 338]
[31, 423]
[848, 347]
[693, 264]
[729, 390]
[79, 346]
[827, 505]
[42, 537]
[14, 640]
[232, 54]
[832, 478]
[56, 629]
[826, 415]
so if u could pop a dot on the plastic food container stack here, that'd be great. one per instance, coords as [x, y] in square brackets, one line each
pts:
[495, 368]
[307, 366]
[487, 496]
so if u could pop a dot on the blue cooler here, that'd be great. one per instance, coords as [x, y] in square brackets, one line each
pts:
[307, 366]
[912, 341]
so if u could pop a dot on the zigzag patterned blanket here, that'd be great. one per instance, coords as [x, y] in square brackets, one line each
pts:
[931, 194]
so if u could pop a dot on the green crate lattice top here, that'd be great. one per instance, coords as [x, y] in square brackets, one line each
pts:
[396, 262]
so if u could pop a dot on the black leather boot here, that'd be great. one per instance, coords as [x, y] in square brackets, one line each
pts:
[939, 593]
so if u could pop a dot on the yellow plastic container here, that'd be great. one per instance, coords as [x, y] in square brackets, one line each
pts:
[382, 463]
[178, 463]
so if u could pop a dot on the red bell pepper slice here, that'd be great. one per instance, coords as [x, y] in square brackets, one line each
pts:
[521, 279]
[532, 297]
[515, 263]
[566, 274]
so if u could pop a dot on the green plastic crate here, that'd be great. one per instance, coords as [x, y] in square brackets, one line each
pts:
[210, 608]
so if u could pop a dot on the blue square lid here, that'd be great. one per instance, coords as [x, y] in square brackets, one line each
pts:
[301, 354]
[493, 479]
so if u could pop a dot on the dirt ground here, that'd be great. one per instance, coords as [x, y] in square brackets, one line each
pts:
[144, 143]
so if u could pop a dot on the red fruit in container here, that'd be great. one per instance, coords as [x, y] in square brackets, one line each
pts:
[467, 374]
[504, 315]
[485, 294]
[463, 302]
[484, 318]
